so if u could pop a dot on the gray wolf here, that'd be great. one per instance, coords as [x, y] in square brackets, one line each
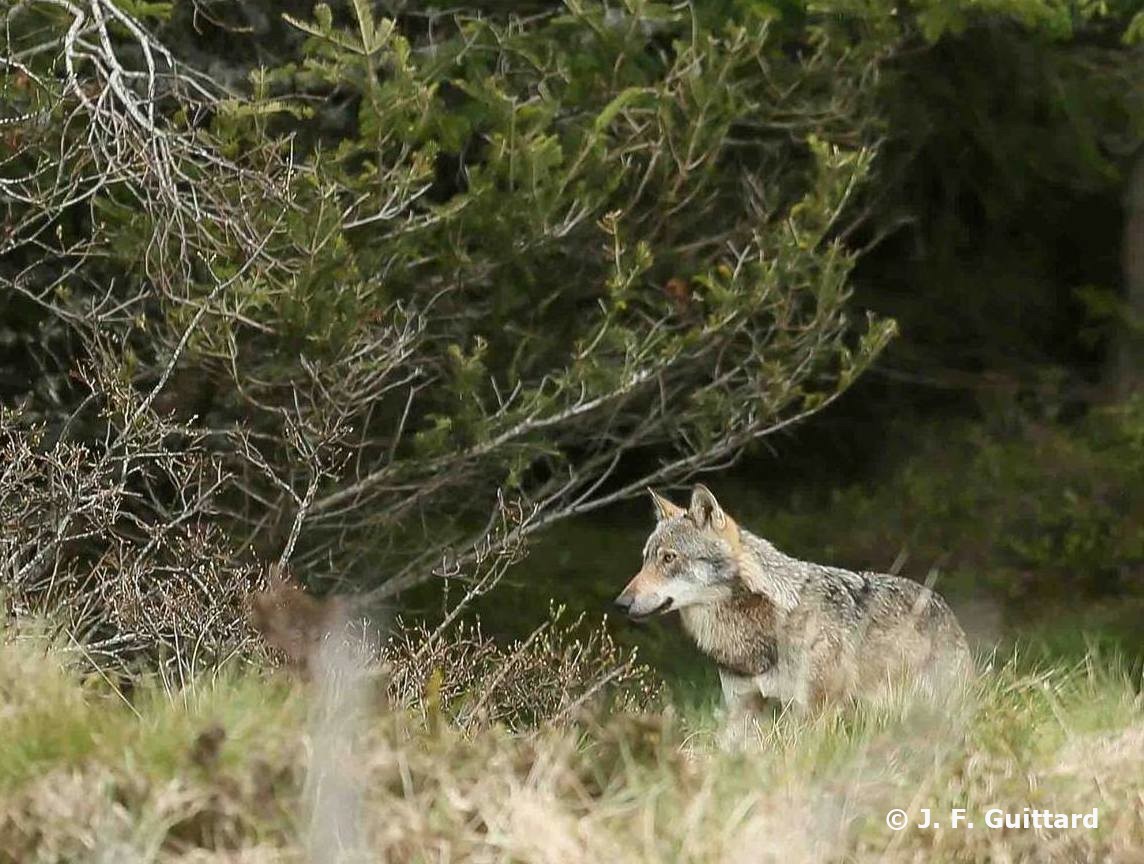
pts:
[780, 628]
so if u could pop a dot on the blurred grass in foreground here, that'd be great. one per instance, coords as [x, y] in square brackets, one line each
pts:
[219, 772]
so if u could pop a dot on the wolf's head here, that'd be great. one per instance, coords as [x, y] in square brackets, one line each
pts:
[690, 559]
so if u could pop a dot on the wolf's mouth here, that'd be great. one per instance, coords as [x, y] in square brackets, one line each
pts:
[662, 607]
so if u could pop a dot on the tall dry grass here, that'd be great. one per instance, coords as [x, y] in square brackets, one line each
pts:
[242, 767]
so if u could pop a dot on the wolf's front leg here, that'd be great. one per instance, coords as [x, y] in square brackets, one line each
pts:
[743, 704]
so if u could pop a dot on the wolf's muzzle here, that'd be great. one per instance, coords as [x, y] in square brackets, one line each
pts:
[625, 606]
[623, 603]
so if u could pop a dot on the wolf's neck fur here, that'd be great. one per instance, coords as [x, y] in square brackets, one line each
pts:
[742, 631]
[765, 570]
[739, 633]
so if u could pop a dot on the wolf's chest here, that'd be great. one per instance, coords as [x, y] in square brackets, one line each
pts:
[738, 634]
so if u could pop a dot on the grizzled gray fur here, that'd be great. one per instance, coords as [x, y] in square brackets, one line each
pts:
[777, 627]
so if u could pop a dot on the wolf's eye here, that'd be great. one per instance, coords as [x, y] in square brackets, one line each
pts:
[669, 557]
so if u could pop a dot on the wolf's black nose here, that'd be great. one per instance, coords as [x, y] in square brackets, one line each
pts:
[623, 604]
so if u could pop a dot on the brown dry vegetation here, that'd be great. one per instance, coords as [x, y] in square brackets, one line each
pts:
[256, 768]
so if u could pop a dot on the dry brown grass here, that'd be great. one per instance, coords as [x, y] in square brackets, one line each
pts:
[244, 768]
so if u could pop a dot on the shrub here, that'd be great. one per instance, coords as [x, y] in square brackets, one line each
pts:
[325, 317]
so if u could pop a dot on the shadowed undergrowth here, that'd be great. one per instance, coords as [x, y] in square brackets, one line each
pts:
[224, 771]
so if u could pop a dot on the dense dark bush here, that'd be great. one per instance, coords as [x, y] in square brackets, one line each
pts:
[328, 316]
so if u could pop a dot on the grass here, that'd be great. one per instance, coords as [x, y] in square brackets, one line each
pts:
[242, 768]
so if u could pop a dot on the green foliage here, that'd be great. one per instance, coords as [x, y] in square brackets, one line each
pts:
[505, 253]
[935, 20]
[382, 264]
[1001, 195]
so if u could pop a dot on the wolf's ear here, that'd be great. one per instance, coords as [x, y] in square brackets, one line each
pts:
[705, 511]
[664, 509]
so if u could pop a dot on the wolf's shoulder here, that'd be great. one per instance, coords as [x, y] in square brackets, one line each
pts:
[863, 589]
[898, 598]
[838, 586]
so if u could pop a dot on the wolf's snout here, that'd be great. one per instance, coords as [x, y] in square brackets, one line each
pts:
[644, 596]
[639, 608]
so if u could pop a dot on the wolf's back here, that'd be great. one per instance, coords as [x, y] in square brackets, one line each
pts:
[897, 625]
[856, 630]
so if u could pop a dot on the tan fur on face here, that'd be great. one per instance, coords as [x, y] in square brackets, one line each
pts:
[649, 579]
